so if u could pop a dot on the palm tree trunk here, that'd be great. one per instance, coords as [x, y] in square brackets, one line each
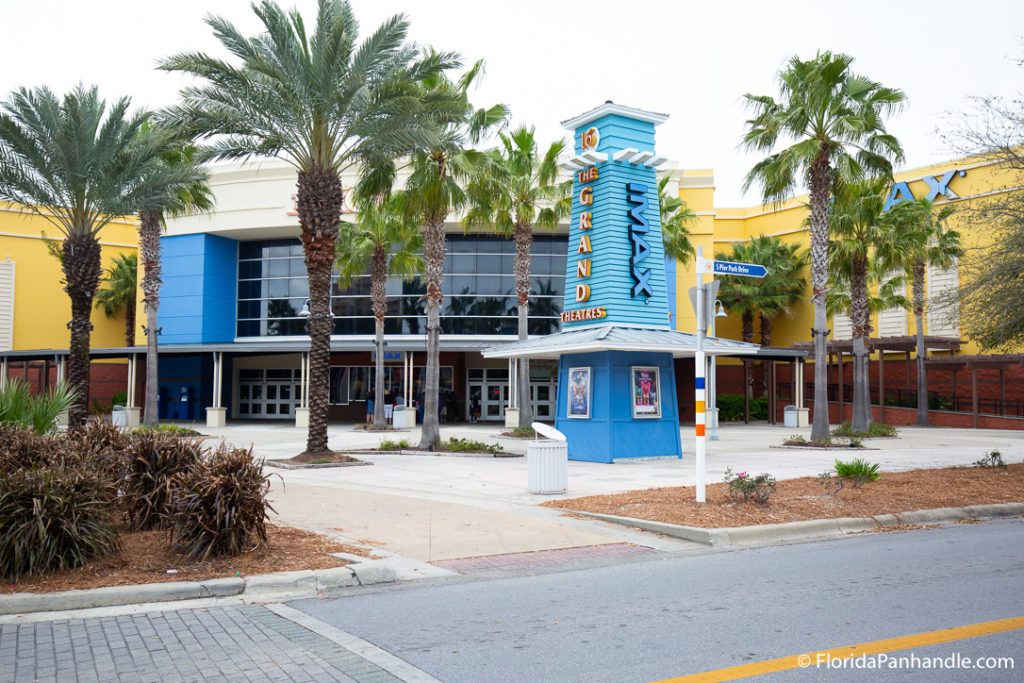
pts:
[820, 191]
[318, 203]
[149, 245]
[82, 270]
[922, 377]
[433, 272]
[524, 240]
[861, 322]
[129, 322]
[378, 292]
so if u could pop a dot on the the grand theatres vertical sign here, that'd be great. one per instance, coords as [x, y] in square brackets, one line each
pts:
[616, 268]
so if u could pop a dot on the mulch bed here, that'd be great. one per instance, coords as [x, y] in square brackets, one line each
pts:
[805, 498]
[145, 558]
[307, 458]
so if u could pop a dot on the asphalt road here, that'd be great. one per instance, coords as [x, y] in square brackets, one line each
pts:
[676, 615]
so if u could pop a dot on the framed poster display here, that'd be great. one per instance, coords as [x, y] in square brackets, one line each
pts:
[579, 393]
[646, 394]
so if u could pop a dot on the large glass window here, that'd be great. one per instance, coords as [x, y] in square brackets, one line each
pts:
[355, 383]
[479, 290]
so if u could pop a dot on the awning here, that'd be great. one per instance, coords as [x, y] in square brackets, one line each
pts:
[620, 338]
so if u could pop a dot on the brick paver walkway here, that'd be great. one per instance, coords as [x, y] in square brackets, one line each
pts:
[248, 643]
[583, 556]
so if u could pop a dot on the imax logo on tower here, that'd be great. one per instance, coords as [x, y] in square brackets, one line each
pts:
[937, 185]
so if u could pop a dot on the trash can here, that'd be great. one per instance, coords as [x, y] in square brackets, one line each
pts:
[118, 417]
[398, 420]
[547, 466]
[789, 416]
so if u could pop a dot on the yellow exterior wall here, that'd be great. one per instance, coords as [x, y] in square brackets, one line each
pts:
[41, 307]
[716, 229]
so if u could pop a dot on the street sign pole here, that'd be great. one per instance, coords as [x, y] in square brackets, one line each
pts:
[699, 393]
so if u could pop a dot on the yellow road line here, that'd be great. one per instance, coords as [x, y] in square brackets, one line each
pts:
[873, 648]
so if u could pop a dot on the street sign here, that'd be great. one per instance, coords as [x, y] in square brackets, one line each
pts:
[734, 268]
[710, 295]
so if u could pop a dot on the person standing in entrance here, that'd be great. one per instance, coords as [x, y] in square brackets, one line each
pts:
[474, 406]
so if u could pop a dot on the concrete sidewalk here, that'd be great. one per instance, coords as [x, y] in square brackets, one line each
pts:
[429, 508]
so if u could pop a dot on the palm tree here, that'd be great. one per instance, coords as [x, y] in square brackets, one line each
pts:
[433, 191]
[122, 283]
[929, 242]
[834, 119]
[676, 219]
[777, 293]
[79, 165]
[185, 198]
[386, 240]
[519, 190]
[323, 103]
[865, 243]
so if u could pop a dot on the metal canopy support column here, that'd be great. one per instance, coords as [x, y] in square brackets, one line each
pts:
[772, 406]
[302, 412]
[906, 365]
[956, 406]
[3, 369]
[216, 414]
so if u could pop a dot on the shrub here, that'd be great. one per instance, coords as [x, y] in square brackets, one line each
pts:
[858, 471]
[40, 412]
[388, 445]
[875, 430]
[520, 432]
[154, 459]
[219, 506]
[456, 444]
[993, 459]
[53, 518]
[21, 447]
[831, 483]
[744, 487]
[730, 407]
[164, 428]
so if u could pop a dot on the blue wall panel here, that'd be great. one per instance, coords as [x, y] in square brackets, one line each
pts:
[611, 280]
[197, 300]
[611, 432]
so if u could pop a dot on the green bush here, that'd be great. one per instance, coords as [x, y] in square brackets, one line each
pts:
[165, 428]
[153, 460]
[53, 518]
[39, 412]
[993, 459]
[730, 407]
[119, 399]
[744, 487]
[857, 471]
[219, 505]
[876, 430]
[388, 445]
[458, 445]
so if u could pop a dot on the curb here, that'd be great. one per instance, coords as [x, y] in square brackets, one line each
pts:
[257, 586]
[812, 528]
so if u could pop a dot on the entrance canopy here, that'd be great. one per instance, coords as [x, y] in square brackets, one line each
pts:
[619, 338]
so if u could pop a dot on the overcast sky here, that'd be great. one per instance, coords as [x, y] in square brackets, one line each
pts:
[551, 60]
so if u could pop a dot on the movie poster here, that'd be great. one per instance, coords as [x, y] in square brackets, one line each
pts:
[579, 393]
[646, 392]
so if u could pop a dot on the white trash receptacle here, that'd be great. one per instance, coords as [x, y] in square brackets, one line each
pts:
[789, 416]
[547, 461]
[118, 417]
[398, 420]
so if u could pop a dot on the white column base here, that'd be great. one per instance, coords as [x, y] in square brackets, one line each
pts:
[132, 417]
[511, 417]
[802, 419]
[216, 417]
[302, 418]
[63, 419]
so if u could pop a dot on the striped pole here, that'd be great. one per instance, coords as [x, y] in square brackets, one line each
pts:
[700, 362]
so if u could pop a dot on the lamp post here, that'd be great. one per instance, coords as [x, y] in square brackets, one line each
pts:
[713, 375]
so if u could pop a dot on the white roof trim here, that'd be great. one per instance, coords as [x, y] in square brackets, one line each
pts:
[611, 108]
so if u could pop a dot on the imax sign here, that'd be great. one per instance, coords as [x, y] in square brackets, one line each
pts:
[937, 185]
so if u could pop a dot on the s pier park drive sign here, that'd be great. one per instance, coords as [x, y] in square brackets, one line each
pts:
[731, 268]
